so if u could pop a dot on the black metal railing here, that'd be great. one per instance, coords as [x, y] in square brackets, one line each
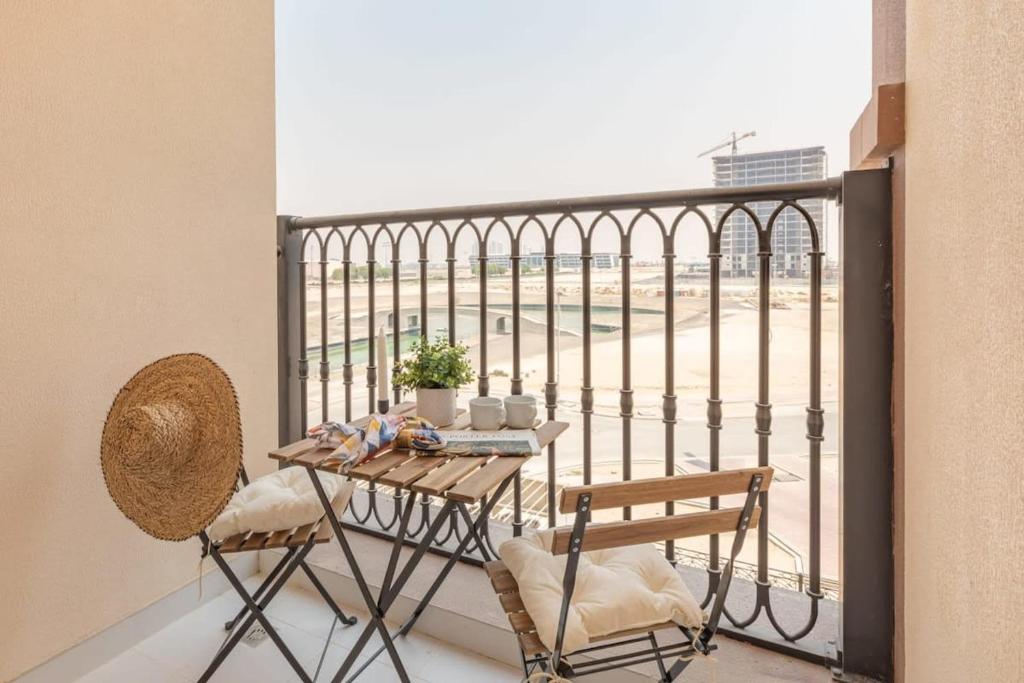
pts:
[311, 244]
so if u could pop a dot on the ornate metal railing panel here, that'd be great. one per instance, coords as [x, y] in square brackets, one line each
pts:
[314, 240]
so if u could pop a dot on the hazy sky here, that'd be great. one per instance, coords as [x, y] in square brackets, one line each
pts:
[388, 105]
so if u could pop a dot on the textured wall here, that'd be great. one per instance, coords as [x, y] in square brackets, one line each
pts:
[964, 341]
[889, 42]
[137, 220]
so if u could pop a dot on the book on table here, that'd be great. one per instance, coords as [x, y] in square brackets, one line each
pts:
[505, 442]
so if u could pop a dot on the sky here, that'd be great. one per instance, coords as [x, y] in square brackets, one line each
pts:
[386, 105]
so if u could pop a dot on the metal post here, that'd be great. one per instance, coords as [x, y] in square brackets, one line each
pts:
[371, 330]
[668, 405]
[396, 316]
[587, 390]
[551, 386]
[289, 246]
[517, 379]
[865, 428]
[626, 391]
[483, 386]
[325, 366]
[346, 368]
[714, 410]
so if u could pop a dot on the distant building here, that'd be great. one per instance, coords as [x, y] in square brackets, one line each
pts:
[497, 255]
[534, 260]
[791, 240]
[604, 259]
[571, 261]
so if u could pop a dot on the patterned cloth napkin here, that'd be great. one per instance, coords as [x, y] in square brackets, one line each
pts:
[419, 435]
[357, 445]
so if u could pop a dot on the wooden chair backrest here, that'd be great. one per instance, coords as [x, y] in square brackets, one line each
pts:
[639, 531]
[663, 489]
[598, 536]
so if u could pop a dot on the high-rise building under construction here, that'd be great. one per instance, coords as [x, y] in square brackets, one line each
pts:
[791, 239]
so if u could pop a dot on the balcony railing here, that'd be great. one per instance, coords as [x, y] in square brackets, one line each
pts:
[516, 306]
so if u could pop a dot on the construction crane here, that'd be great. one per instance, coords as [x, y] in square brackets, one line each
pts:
[730, 142]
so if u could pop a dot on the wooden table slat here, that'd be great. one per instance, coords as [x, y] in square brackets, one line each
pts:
[480, 483]
[288, 452]
[407, 408]
[313, 457]
[334, 467]
[549, 431]
[380, 465]
[412, 469]
[449, 474]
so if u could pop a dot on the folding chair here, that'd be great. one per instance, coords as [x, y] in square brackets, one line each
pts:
[584, 535]
[297, 544]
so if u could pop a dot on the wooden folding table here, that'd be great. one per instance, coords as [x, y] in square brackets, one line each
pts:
[460, 481]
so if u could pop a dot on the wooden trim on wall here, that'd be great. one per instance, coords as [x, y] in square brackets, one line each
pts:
[880, 129]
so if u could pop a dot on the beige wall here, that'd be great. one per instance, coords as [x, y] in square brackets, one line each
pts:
[964, 341]
[136, 220]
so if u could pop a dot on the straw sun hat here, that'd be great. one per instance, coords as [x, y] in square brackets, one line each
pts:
[172, 446]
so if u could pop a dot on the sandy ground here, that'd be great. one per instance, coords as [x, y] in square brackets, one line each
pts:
[788, 371]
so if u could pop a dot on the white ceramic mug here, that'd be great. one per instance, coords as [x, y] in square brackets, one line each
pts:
[486, 413]
[520, 411]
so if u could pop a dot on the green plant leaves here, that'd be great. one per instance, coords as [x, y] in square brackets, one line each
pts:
[434, 365]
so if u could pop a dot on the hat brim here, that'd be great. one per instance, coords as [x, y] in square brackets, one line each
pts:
[177, 501]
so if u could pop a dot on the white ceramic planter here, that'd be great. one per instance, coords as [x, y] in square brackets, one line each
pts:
[436, 405]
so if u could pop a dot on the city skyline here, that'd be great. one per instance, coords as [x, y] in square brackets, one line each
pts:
[385, 106]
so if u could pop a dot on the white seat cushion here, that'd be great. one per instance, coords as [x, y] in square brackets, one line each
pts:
[284, 499]
[616, 589]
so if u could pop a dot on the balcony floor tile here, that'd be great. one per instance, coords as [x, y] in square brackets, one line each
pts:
[182, 650]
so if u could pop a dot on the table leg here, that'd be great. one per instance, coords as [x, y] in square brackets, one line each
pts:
[376, 613]
[396, 548]
[315, 580]
[389, 594]
[452, 559]
[471, 529]
[386, 599]
[459, 550]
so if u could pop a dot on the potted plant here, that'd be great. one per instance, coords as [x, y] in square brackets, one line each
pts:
[435, 370]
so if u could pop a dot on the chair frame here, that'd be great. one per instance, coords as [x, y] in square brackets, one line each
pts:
[256, 603]
[572, 541]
